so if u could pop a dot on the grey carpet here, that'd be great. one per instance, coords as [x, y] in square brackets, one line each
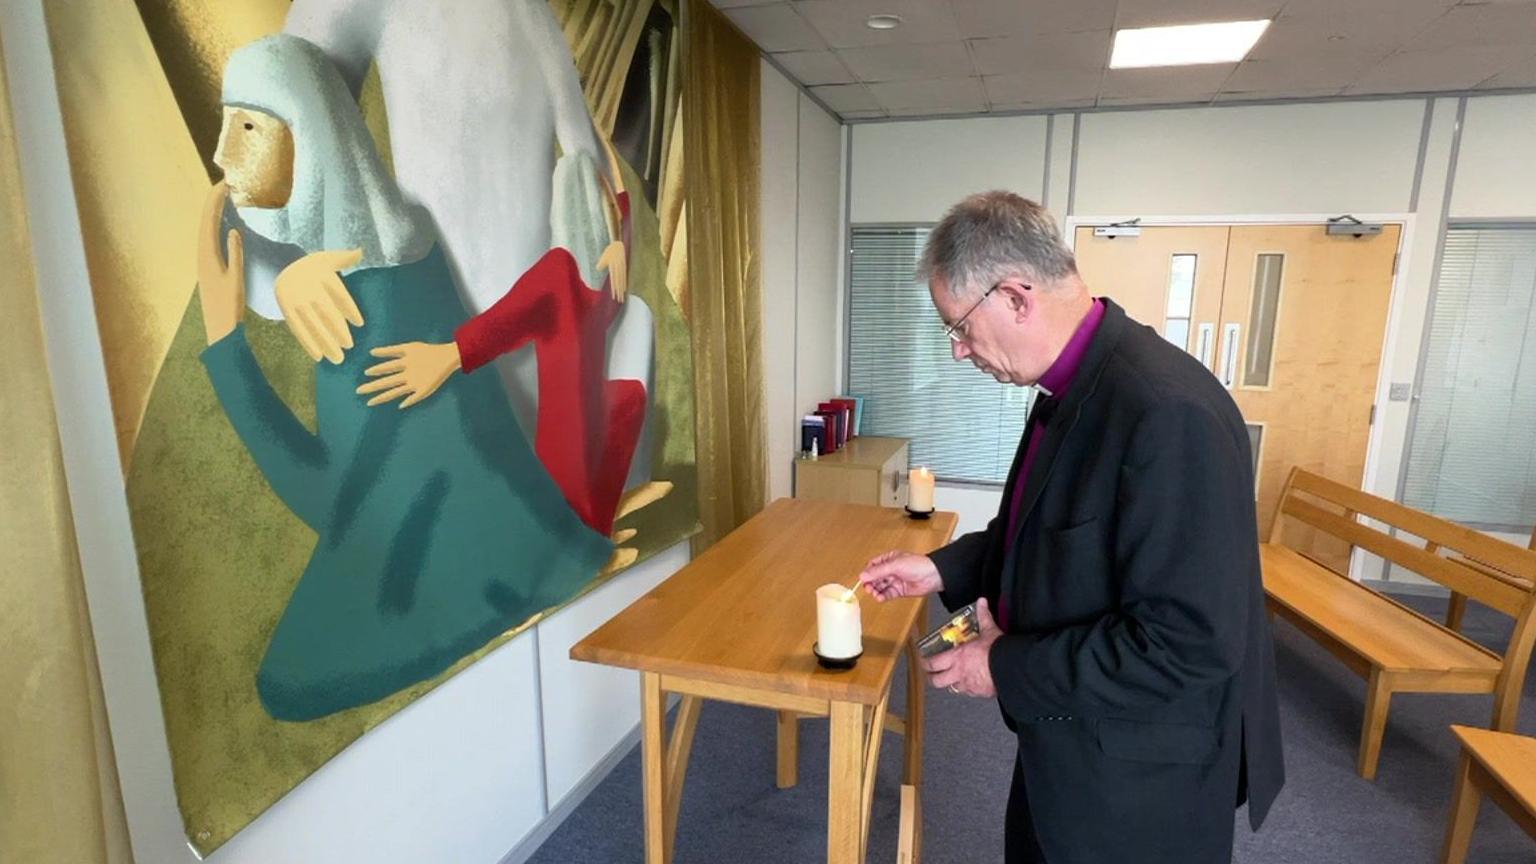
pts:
[732, 812]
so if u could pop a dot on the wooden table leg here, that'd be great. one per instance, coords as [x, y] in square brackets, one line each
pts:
[917, 689]
[845, 779]
[652, 718]
[912, 745]
[789, 749]
[1464, 803]
[907, 834]
[678, 748]
[871, 769]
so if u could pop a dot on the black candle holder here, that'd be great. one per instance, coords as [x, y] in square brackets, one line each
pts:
[835, 663]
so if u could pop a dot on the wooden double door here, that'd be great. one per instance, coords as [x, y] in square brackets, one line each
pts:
[1289, 319]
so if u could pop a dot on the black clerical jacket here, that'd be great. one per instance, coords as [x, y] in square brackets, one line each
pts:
[1138, 672]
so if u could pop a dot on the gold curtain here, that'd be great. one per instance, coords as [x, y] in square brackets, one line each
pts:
[59, 797]
[721, 175]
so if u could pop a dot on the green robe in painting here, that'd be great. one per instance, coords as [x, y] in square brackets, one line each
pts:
[438, 527]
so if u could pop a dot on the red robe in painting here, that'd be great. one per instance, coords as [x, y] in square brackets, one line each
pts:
[588, 426]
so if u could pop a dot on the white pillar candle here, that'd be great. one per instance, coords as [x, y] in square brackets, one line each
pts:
[920, 490]
[838, 631]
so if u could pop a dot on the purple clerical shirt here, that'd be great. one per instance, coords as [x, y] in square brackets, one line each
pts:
[1055, 381]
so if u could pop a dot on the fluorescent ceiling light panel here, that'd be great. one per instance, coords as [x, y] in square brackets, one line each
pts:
[1185, 44]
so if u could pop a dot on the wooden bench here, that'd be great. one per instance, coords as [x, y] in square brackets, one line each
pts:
[1501, 766]
[1458, 607]
[1394, 648]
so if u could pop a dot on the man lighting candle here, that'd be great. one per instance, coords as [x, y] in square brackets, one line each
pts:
[1130, 653]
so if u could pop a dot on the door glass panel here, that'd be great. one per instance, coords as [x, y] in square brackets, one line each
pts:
[1261, 319]
[1176, 330]
[1181, 299]
[1255, 444]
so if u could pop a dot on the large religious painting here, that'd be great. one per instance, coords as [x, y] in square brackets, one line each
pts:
[430, 377]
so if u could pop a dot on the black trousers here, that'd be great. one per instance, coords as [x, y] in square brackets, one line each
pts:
[1019, 843]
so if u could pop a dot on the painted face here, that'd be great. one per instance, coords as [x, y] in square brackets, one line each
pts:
[256, 154]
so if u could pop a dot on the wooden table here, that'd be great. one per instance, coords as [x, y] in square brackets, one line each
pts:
[1500, 765]
[737, 625]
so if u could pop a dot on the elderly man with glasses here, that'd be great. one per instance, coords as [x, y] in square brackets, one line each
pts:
[1122, 614]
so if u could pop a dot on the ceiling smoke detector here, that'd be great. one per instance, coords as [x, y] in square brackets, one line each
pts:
[883, 22]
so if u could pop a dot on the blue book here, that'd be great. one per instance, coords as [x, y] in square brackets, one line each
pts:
[812, 428]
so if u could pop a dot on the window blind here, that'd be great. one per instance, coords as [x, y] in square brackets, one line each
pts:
[963, 424]
[1473, 452]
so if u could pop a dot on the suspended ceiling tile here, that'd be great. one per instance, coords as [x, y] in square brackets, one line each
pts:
[924, 113]
[1443, 69]
[842, 22]
[814, 67]
[1521, 74]
[993, 18]
[1322, 73]
[1345, 9]
[846, 97]
[1044, 105]
[1186, 99]
[1087, 50]
[908, 62]
[775, 27]
[950, 94]
[1028, 88]
[1168, 83]
[1480, 27]
[1342, 32]
[1162, 13]
[1272, 95]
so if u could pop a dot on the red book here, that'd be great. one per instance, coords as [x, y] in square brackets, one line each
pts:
[844, 419]
[830, 438]
[851, 407]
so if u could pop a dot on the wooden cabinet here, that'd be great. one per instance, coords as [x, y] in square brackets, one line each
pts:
[868, 470]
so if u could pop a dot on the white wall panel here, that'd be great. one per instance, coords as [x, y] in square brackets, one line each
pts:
[777, 225]
[588, 709]
[820, 263]
[1496, 172]
[913, 172]
[1321, 158]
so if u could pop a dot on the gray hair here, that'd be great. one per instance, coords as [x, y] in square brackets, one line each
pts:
[991, 236]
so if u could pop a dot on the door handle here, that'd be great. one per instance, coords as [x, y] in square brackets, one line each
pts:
[1230, 334]
[1206, 337]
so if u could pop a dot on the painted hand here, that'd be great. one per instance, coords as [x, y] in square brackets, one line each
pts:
[220, 282]
[317, 305]
[415, 371]
[967, 669]
[900, 574]
[615, 257]
[616, 261]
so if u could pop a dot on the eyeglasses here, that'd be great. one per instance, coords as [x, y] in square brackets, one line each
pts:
[953, 331]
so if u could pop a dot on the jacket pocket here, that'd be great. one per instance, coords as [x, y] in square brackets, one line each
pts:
[1079, 551]
[1177, 743]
